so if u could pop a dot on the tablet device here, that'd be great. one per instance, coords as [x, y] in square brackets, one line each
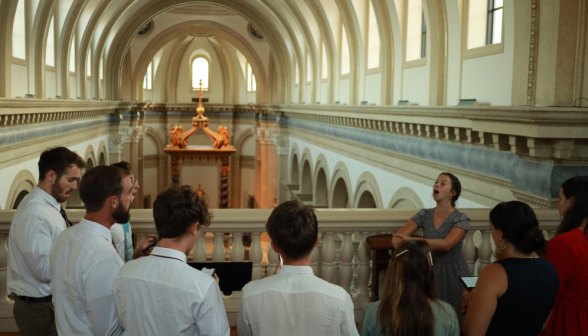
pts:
[233, 275]
[150, 246]
[469, 282]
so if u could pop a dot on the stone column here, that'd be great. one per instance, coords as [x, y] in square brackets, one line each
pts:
[132, 152]
[258, 165]
[224, 182]
[282, 143]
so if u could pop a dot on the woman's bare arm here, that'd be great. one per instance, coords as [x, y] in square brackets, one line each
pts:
[450, 241]
[408, 229]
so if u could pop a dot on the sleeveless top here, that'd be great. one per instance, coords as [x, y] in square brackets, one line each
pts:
[533, 285]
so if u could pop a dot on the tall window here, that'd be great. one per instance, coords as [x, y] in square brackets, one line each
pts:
[101, 68]
[297, 74]
[308, 68]
[494, 30]
[200, 71]
[72, 55]
[89, 64]
[424, 38]
[373, 57]
[148, 81]
[415, 30]
[251, 84]
[345, 57]
[324, 64]
[19, 49]
[50, 50]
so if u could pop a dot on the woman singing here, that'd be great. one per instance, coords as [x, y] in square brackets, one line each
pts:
[444, 228]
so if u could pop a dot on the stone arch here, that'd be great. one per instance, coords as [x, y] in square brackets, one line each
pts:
[340, 191]
[24, 181]
[7, 13]
[246, 134]
[295, 165]
[102, 156]
[321, 181]
[149, 131]
[406, 198]
[90, 158]
[306, 176]
[367, 183]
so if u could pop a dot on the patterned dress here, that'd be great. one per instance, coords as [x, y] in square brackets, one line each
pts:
[451, 265]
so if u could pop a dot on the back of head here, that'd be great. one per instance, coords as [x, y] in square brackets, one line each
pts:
[519, 225]
[122, 165]
[409, 284]
[100, 183]
[58, 159]
[577, 213]
[176, 209]
[293, 228]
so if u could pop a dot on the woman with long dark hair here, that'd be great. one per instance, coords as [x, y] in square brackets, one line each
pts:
[568, 252]
[515, 294]
[408, 306]
[444, 228]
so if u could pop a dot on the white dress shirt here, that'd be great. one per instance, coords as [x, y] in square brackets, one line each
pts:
[162, 295]
[295, 302]
[35, 226]
[83, 265]
[118, 236]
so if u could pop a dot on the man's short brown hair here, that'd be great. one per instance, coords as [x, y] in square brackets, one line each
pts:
[58, 159]
[100, 183]
[176, 209]
[293, 228]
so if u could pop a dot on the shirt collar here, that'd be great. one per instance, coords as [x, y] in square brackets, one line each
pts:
[169, 253]
[98, 228]
[42, 193]
[288, 269]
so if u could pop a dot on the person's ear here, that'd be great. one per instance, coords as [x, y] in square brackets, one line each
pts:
[194, 230]
[317, 241]
[114, 202]
[51, 176]
[275, 247]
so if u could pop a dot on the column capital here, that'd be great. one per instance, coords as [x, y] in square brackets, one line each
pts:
[132, 133]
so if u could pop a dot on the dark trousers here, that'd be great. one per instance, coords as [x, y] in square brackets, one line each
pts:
[34, 319]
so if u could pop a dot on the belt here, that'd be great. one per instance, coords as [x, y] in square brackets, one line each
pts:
[36, 300]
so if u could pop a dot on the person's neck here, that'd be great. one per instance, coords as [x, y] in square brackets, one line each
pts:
[45, 186]
[444, 207]
[182, 245]
[510, 252]
[103, 218]
[583, 226]
[300, 262]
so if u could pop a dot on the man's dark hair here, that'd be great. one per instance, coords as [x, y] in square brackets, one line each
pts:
[293, 228]
[58, 159]
[100, 183]
[123, 165]
[519, 225]
[176, 209]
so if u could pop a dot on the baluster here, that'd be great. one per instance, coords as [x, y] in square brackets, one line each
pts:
[485, 251]
[255, 255]
[329, 253]
[469, 251]
[355, 240]
[199, 252]
[237, 251]
[272, 258]
[346, 271]
[314, 261]
[3, 269]
[218, 250]
[363, 253]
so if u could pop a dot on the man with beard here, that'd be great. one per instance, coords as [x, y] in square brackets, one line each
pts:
[84, 260]
[36, 224]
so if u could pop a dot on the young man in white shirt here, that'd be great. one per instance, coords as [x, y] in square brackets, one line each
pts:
[84, 260]
[294, 301]
[161, 294]
[36, 224]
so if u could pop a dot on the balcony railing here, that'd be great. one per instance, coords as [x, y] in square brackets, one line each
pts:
[342, 256]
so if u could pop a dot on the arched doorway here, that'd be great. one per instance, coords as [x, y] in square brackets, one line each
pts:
[294, 175]
[19, 198]
[367, 201]
[306, 180]
[321, 197]
[340, 197]
[102, 160]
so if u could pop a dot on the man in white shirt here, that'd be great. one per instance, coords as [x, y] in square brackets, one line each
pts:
[294, 301]
[161, 294]
[36, 224]
[84, 260]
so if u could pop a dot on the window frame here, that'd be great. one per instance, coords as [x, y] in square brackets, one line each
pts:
[247, 66]
[89, 75]
[52, 16]
[75, 49]
[144, 89]
[308, 69]
[324, 63]
[25, 61]
[485, 50]
[490, 21]
[192, 59]
[341, 75]
[417, 62]
[376, 70]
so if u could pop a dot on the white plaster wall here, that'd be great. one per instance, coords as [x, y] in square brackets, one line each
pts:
[148, 95]
[8, 174]
[247, 185]
[73, 87]
[415, 85]
[324, 93]
[19, 77]
[89, 89]
[150, 184]
[373, 88]
[207, 175]
[251, 97]
[295, 94]
[149, 146]
[51, 84]
[308, 95]
[388, 183]
[184, 95]
[344, 91]
[453, 51]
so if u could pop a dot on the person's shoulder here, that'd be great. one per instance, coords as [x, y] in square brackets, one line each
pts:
[460, 216]
[371, 308]
[442, 306]
[255, 286]
[330, 289]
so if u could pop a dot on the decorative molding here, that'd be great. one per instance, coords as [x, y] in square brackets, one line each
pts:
[533, 52]
[282, 144]
[116, 142]
[534, 200]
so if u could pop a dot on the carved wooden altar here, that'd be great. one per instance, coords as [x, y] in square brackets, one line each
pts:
[220, 151]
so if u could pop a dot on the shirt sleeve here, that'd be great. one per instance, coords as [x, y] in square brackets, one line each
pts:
[34, 243]
[463, 223]
[367, 320]
[100, 308]
[210, 316]
[563, 257]
[348, 319]
[118, 237]
[419, 218]
[243, 327]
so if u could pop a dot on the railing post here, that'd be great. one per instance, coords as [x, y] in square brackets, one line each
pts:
[237, 251]
[256, 255]
[218, 250]
[3, 269]
[346, 271]
[363, 253]
[199, 251]
[469, 251]
[328, 271]
[485, 251]
[272, 258]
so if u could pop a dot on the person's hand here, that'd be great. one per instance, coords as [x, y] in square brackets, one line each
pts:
[146, 243]
[465, 301]
[216, 278]
[278, 268]
[402, 236]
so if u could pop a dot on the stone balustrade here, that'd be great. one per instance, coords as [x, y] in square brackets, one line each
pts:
[342, 256]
